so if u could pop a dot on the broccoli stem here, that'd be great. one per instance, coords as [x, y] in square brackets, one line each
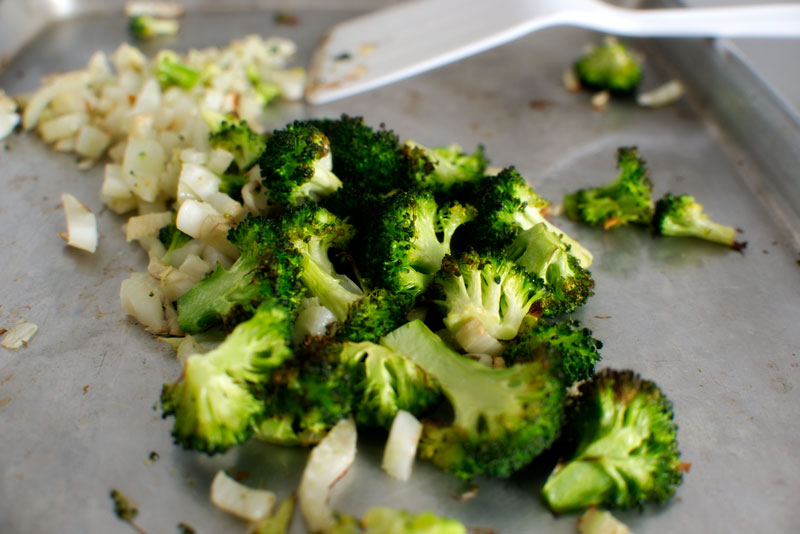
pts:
[702, 228]
[575, 486]
[327, 289]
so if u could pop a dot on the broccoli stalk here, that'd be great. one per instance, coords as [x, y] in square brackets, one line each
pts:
[502, 418]
[442, 168]
[545, 256]
[682, 216]
[385, 520]
[625, 200]
[145, 26]
[609, 66]
[216, 402]
[236, 137]
[484, 297]
[627, 450]
[171, 71]
[172, 239]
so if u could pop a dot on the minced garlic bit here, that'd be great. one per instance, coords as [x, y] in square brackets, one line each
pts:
[19, 335]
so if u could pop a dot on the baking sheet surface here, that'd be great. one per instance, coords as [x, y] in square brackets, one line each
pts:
[717, 330]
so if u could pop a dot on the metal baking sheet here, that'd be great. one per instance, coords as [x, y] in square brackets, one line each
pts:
[717, 330]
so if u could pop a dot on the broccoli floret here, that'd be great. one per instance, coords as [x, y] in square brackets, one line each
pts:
[682, 216]
[610, 66]
[388, 382]
[566, 340]
[508, 205]
[296, 165]
[144, 27]
[544, 255]
[232, 184]
[484, 299]
[280, 520]
[626, 199]
[267, 267]
[442, 168]
[236, 137]
[502, 418]
[313, 231]
[172, 239]
[627, 450]
[171, 71]
[407, 245]
[216, 400]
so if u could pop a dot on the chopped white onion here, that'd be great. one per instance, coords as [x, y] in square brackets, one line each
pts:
[401, 446]
[146, 225]
[175, 283]
[19, 335]
[62, 126]
[240, 500]
[600, 100]
[219, 160]
[141, 302]
[661, 96]
[142, 165]
[473, 337]
[81, 224]
[9, 118]
[327, 462]
[91, 141]
[196, 182]
[596, 521]
[168, 10]
[313, 319]
[201, 221]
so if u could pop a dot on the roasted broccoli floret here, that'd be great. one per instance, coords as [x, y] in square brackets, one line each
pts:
[268, 267]
[569, 342]
[484, 298]
[442, 168]
[502, 418]
[627, 449]
[313, 231]
[171, 71]
[507, 205]
[236, 137]
[542, 254]
[172, 239]
[625, 200]
[407, 245]
[144, 27]
[216, 401]
[387, 382]
[296, 165]
[682, 216]
[610, 66]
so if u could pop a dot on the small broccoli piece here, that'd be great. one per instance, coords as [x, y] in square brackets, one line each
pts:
[171, 71]
[682, 216]
[627, 451]
[216, 400]
[172, 239]
[372, 316]
[410, 240]
[507, 205]
[267, 91]
[237, 138]
[267, 267]
[565, 340]
[383, 520]
[296, 165]
[484, 295]
[626, 199]
[609, 66]
[545, 256]
[280, 520]
[232, 184]
[388, 382]
[144, 27]
[442, 168]
[502, 418]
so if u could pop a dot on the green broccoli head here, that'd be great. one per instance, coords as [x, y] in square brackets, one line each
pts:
[170, 71]
[410, 240]
[542, 254]
[610, 66]
[172, 239]
[565, 340]
[235, 137]
[508, 205]
[502, 418]
[388, 382]
[232, 183]
[296, 165]
[682, 216]
[484, 295]
[625, 200]
[216, 400]
[442, 168]
[372, 316]
[627, 448]
[267, 267]
[143, 27]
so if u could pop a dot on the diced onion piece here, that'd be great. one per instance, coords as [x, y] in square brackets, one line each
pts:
[36, 106]
[313, 319]
[62, 126]
[596, 521]
[219, 160]
[91, 141]
[149, 98]
[170, 10]
[146, 225]
[19, 335]
[201, 221]
[240, 500]
[115, 192]
[142, 303]
[196, 182]
[81, 224]
[65, 145]
[175, 283]
[142, 165]
[571, 82]
[190, 155]
[327, 462]
[254, 195]
[661, 96]
[9, 118]
[473, 337]
[401, 446]
[195, 267]
[600, 100]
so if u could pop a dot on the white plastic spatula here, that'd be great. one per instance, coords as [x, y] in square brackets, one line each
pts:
[419, 35]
